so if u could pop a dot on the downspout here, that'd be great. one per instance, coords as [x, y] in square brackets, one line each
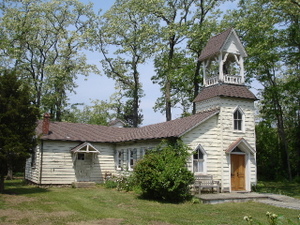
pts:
[41, 162]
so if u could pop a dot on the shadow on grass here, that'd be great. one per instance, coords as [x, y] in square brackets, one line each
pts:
[19, 187]
[286, 188]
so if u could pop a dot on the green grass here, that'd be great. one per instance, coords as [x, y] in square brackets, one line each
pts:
[285, 188]
[24, 204]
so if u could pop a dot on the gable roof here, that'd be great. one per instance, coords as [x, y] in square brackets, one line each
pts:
[217, 43]
[65, 131]
[241, 142]
[85, 147]
[225, 90]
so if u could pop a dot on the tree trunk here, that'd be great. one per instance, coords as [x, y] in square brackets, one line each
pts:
[1, 184]
[136, 97]
[168, 100]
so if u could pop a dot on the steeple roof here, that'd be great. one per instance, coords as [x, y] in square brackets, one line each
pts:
[220, 43]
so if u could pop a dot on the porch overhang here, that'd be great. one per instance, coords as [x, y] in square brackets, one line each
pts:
[242, 144]
[85, 147]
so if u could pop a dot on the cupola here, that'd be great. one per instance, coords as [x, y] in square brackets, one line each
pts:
[223, 59]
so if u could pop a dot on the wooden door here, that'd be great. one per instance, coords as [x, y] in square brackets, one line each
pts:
[83, 167]
[238, 172]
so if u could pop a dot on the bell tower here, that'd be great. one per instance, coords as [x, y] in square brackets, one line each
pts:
[223, 59]
[234, 131]
[223, 72]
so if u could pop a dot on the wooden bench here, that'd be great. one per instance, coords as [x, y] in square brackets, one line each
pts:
[206, 182]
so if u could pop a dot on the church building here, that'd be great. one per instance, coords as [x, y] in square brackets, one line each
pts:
[221, 135]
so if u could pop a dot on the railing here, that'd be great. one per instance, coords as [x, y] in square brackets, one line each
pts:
[229, 79]
[212, 81]
[232, 79]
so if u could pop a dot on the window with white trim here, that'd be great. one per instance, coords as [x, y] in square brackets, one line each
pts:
[199, 160]
[238, 118]
[119, 159]
[132, 156]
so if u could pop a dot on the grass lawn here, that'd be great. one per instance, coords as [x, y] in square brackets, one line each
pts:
[284, 188]
[24, 204]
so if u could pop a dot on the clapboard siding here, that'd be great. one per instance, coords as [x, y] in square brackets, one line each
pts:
[216, 137]
[59, 165]
[56, 164]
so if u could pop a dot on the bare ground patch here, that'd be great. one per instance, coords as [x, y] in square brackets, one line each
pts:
[13, 216]
[17, 199]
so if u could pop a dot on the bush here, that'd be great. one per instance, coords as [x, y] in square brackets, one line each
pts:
[163, 175]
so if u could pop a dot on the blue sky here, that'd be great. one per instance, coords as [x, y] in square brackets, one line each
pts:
[100, 87]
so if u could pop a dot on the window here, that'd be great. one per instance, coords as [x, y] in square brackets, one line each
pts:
[80, 156]
[119, 159]
[199, 160]
[237, 120]
[132, 158]
[142, 152]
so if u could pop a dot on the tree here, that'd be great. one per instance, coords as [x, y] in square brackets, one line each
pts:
[162, 173]
[132, 44]
[101, 113]
[180, 30]
[174, 17]
[44, 41]
[18, 118]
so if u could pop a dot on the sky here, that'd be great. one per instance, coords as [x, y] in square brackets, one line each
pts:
[100, 87]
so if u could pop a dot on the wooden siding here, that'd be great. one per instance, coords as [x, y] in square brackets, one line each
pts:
[215, 140]
[58, 165]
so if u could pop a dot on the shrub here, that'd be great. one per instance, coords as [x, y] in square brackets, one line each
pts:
[162, 174]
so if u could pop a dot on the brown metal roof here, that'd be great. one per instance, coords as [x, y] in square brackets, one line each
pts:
[215, 44]
[96, 133]
[225, 90]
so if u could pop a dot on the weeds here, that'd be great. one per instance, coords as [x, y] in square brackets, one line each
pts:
[273, 219]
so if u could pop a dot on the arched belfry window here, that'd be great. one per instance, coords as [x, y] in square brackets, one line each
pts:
[238, 120]
[199, 160]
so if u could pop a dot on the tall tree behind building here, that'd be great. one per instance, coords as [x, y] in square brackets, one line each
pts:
[18, 118]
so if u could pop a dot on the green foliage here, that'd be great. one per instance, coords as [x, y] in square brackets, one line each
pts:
[162, 173]
[125, 48]
[44, 40]
[18, 117]
[283, 187]
[101, 113]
